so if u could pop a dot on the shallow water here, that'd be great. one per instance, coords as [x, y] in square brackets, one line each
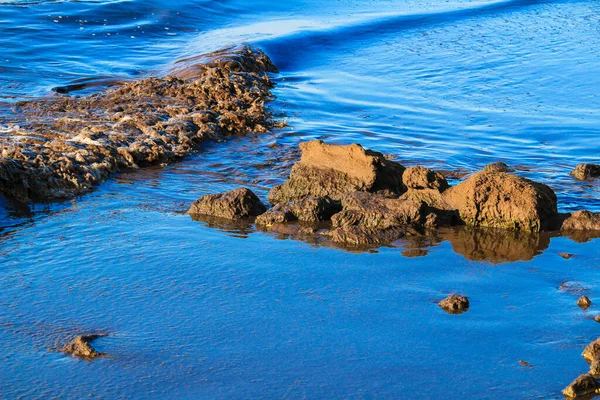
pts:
[194, 311]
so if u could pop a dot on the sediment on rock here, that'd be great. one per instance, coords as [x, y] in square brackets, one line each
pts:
[80, 347]
[586, 171]
[63, 146]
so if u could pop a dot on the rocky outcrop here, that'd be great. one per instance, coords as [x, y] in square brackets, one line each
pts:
[591, 351]
[586, 171]
[582, 387]
[235, 204]
[455, 304]
[62, 146]
[333, 171]
[581, 221]
[80, 347]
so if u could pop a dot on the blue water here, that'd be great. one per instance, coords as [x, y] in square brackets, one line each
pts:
[198, 312]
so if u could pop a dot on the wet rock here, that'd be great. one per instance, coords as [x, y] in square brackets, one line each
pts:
[524, 363]
[584, 302]
[502, 200]
[329, 170]
[595, 368]
[418, 178]
[597, 318]
[582, 221]
[581, 387]
[592, 351]
[455, 304]
[566, 256]
[64, 146]
[357, 236]
[586, 171]
[235, 204]
[309, 209]
[80, 347]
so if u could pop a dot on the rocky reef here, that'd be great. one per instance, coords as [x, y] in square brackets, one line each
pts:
[356, 197]
[62, 146]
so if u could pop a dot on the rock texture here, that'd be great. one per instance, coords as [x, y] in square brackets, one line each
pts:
[80, 347]
[586, 171]
[455, 304]
[582, 387]
[235, 204]
[584, 302]
[62, 146]
[328, 170]
[309, 209]
[582, 221]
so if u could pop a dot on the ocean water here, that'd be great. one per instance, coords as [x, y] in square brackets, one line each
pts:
[195, 310]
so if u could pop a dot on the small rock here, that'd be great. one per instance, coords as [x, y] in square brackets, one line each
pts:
[582, 221]
[236, 204]
[419, 178]
[584, 302]
[584, 385]
[524, 363]
[586, 171]
[566, 256]
[597, 318]
[455, 304]
[309, 209]
[497, 167]
[80, 347]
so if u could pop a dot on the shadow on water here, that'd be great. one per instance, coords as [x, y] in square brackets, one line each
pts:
[495, 246]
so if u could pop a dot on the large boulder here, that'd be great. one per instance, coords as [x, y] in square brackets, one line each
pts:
[497, 199]
[330, 170]
[236, 204]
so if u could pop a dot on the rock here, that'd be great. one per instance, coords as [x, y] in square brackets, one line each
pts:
[597, 318]
[455, 304]
[584, 385]
[566, 256]
[80, 347]
[310, 209]
[595, 368]
[357, 236]
[584, 302]
[524, 363]
[502, 200]
[330, 170]
[497, 167]
[582, 221]
[586, 171]
[235, 204]
[418, 178]
[592, 351]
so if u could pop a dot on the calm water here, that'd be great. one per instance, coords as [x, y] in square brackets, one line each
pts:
[197, 312]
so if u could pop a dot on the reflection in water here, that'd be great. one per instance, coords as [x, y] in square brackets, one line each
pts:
[495, 246]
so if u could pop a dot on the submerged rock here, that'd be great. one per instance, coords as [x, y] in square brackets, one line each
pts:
[80, 347]
[586, 171]
[584, 302]
[235, 204]
[582, 387]
[502, 200]
[328, 170]
[455, 304]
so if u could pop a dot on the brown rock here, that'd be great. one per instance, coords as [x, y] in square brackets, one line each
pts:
[497, 167]
[455, 304]
[330, 170]
[418, 178]
[582, 221]
[584, 302]
[309, 209]
[502, 200]
[80, 347]
[586, 171]
[235, 204]
[597, 318]
[584, 385]
[592, 351]
[595, 368]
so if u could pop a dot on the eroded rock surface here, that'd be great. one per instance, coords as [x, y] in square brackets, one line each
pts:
[63, 146]
[328, 170]
[80, 347]
[582, 387]
[235, 204]
[586, 171]
[455, 304]
[309, 209]
[582, 221]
